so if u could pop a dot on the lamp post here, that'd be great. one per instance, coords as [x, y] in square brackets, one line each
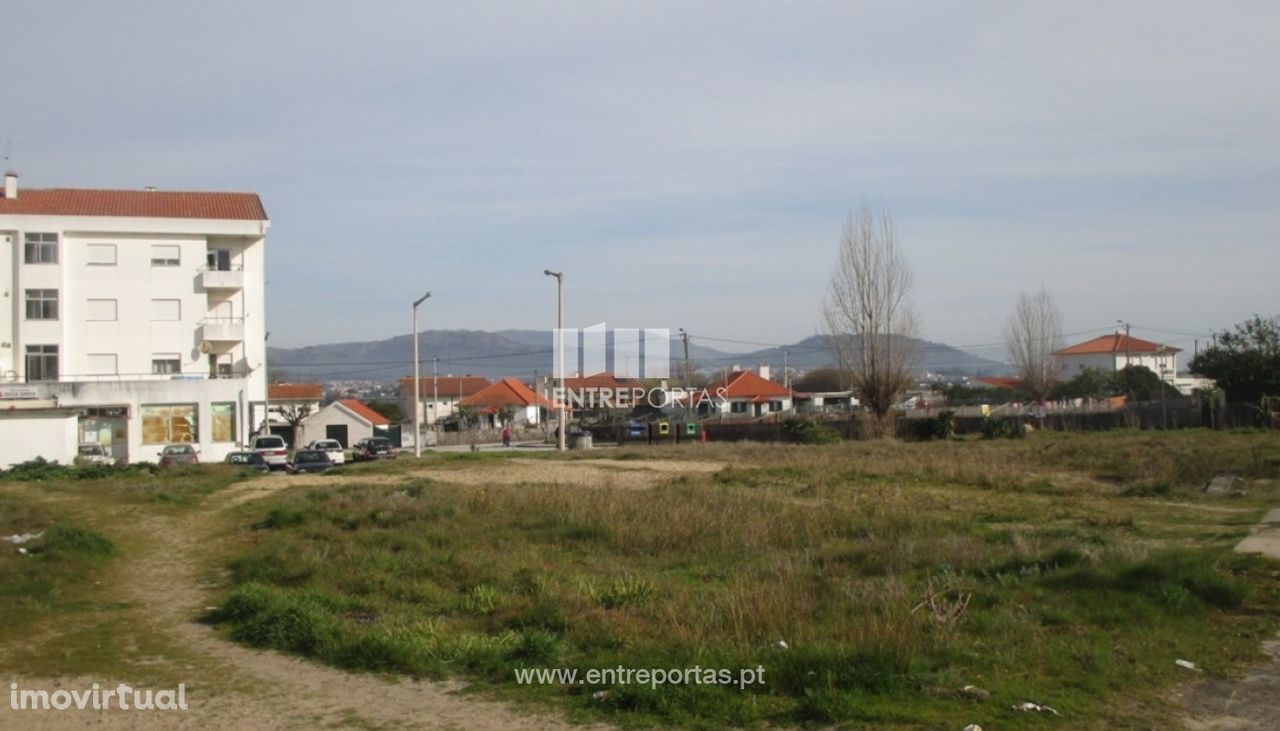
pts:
[560, 438]
[417, 402]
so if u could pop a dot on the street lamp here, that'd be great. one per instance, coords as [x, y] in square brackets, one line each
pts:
[559, 357]
[417, 403]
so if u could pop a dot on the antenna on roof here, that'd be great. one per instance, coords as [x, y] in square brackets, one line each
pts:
[8, 152]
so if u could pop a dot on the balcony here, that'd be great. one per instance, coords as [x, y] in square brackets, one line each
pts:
[222, 278]
[222, 329]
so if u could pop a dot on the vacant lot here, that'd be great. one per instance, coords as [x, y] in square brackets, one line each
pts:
[873, 582]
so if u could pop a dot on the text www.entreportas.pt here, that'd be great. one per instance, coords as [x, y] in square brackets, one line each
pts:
[652, 677]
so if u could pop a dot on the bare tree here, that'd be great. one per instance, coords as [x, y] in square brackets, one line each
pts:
[1033, 334]
[868, 314]
[295, 414]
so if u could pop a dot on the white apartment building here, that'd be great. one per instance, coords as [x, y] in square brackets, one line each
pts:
[135, 319]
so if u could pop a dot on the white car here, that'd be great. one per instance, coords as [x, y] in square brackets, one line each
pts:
[331, 447]
[93, 453]
[273, 450]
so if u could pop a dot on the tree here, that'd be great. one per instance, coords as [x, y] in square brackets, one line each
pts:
[822, 380]
[868, 314]
[1245, 362]
[295, 414]
[1140, 383]
[390, 409]
[1033, 334]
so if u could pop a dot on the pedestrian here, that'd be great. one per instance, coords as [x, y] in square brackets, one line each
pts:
[506, 436]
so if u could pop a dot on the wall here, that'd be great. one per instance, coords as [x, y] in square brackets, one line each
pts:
[25, 435]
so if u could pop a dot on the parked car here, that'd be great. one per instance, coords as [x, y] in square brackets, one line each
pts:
[372, 448]
[273, 450]
[252, 460]
[309, 460]
[176, 454]
[92, 453]
[331, 447]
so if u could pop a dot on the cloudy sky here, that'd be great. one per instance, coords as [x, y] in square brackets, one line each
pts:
[686, 164]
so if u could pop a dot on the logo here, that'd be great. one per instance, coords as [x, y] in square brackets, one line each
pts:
[629, 353]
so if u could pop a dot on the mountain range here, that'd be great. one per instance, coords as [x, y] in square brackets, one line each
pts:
[522, 352]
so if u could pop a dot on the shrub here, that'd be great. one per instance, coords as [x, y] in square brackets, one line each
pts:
[803, 431]
[64, 539]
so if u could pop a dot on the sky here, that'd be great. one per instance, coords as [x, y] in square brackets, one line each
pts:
[686, 164]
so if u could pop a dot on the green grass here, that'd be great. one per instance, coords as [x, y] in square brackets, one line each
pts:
[1088, 564]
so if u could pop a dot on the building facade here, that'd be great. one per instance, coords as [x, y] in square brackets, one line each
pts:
[140, 312]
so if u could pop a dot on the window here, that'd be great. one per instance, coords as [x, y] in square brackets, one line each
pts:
[166, 310]
[738, 407]
[224, 421]
[220, 365]
[42, 363]
[40, 249]
[170, 424]
[102, 364]
[102, 255]
[219, 260]
[164, 363]
[100, 310]
[42, 304]
[165, 255]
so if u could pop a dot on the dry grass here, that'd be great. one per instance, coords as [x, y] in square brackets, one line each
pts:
[1076, 586]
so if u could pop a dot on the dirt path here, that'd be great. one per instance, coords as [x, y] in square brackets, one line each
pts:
[1250, 703]
[233, 687]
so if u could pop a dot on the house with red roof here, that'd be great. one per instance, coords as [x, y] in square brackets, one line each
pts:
[506, 396]
[1115, 351]
[438, 396]
[744, 393]
[346, 420]
[135, 316]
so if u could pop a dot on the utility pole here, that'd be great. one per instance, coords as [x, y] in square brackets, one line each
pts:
[688, 376]
[435, 397]
[417, 398]
[786, 372]
[1126, 341]
[560, 439]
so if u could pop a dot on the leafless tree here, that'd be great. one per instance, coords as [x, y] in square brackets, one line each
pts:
[868, 314]
[1033, 334]
[295, 414]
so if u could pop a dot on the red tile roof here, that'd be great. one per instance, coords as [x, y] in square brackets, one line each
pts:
[1116, 343]
[1002, 381]
[364, 412]
[507, 392]
[295, 391]
[742, 385]
[133, 204]
[446, 386]
[745, 384]
[599, 380]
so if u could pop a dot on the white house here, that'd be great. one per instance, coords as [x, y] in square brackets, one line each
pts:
[290, 404]
[1115, 351]
[438, 396]
[743, 393]
[141, 312]
[346, 420]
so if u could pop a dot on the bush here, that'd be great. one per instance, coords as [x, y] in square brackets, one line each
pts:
[803, 431]
[942, 426]
[995, 428]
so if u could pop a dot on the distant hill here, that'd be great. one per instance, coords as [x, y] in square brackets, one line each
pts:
[521, 352]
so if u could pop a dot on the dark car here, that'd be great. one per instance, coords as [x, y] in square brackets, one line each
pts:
[252, 460]
[176, 454]
[371, 448]
[309, 460]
